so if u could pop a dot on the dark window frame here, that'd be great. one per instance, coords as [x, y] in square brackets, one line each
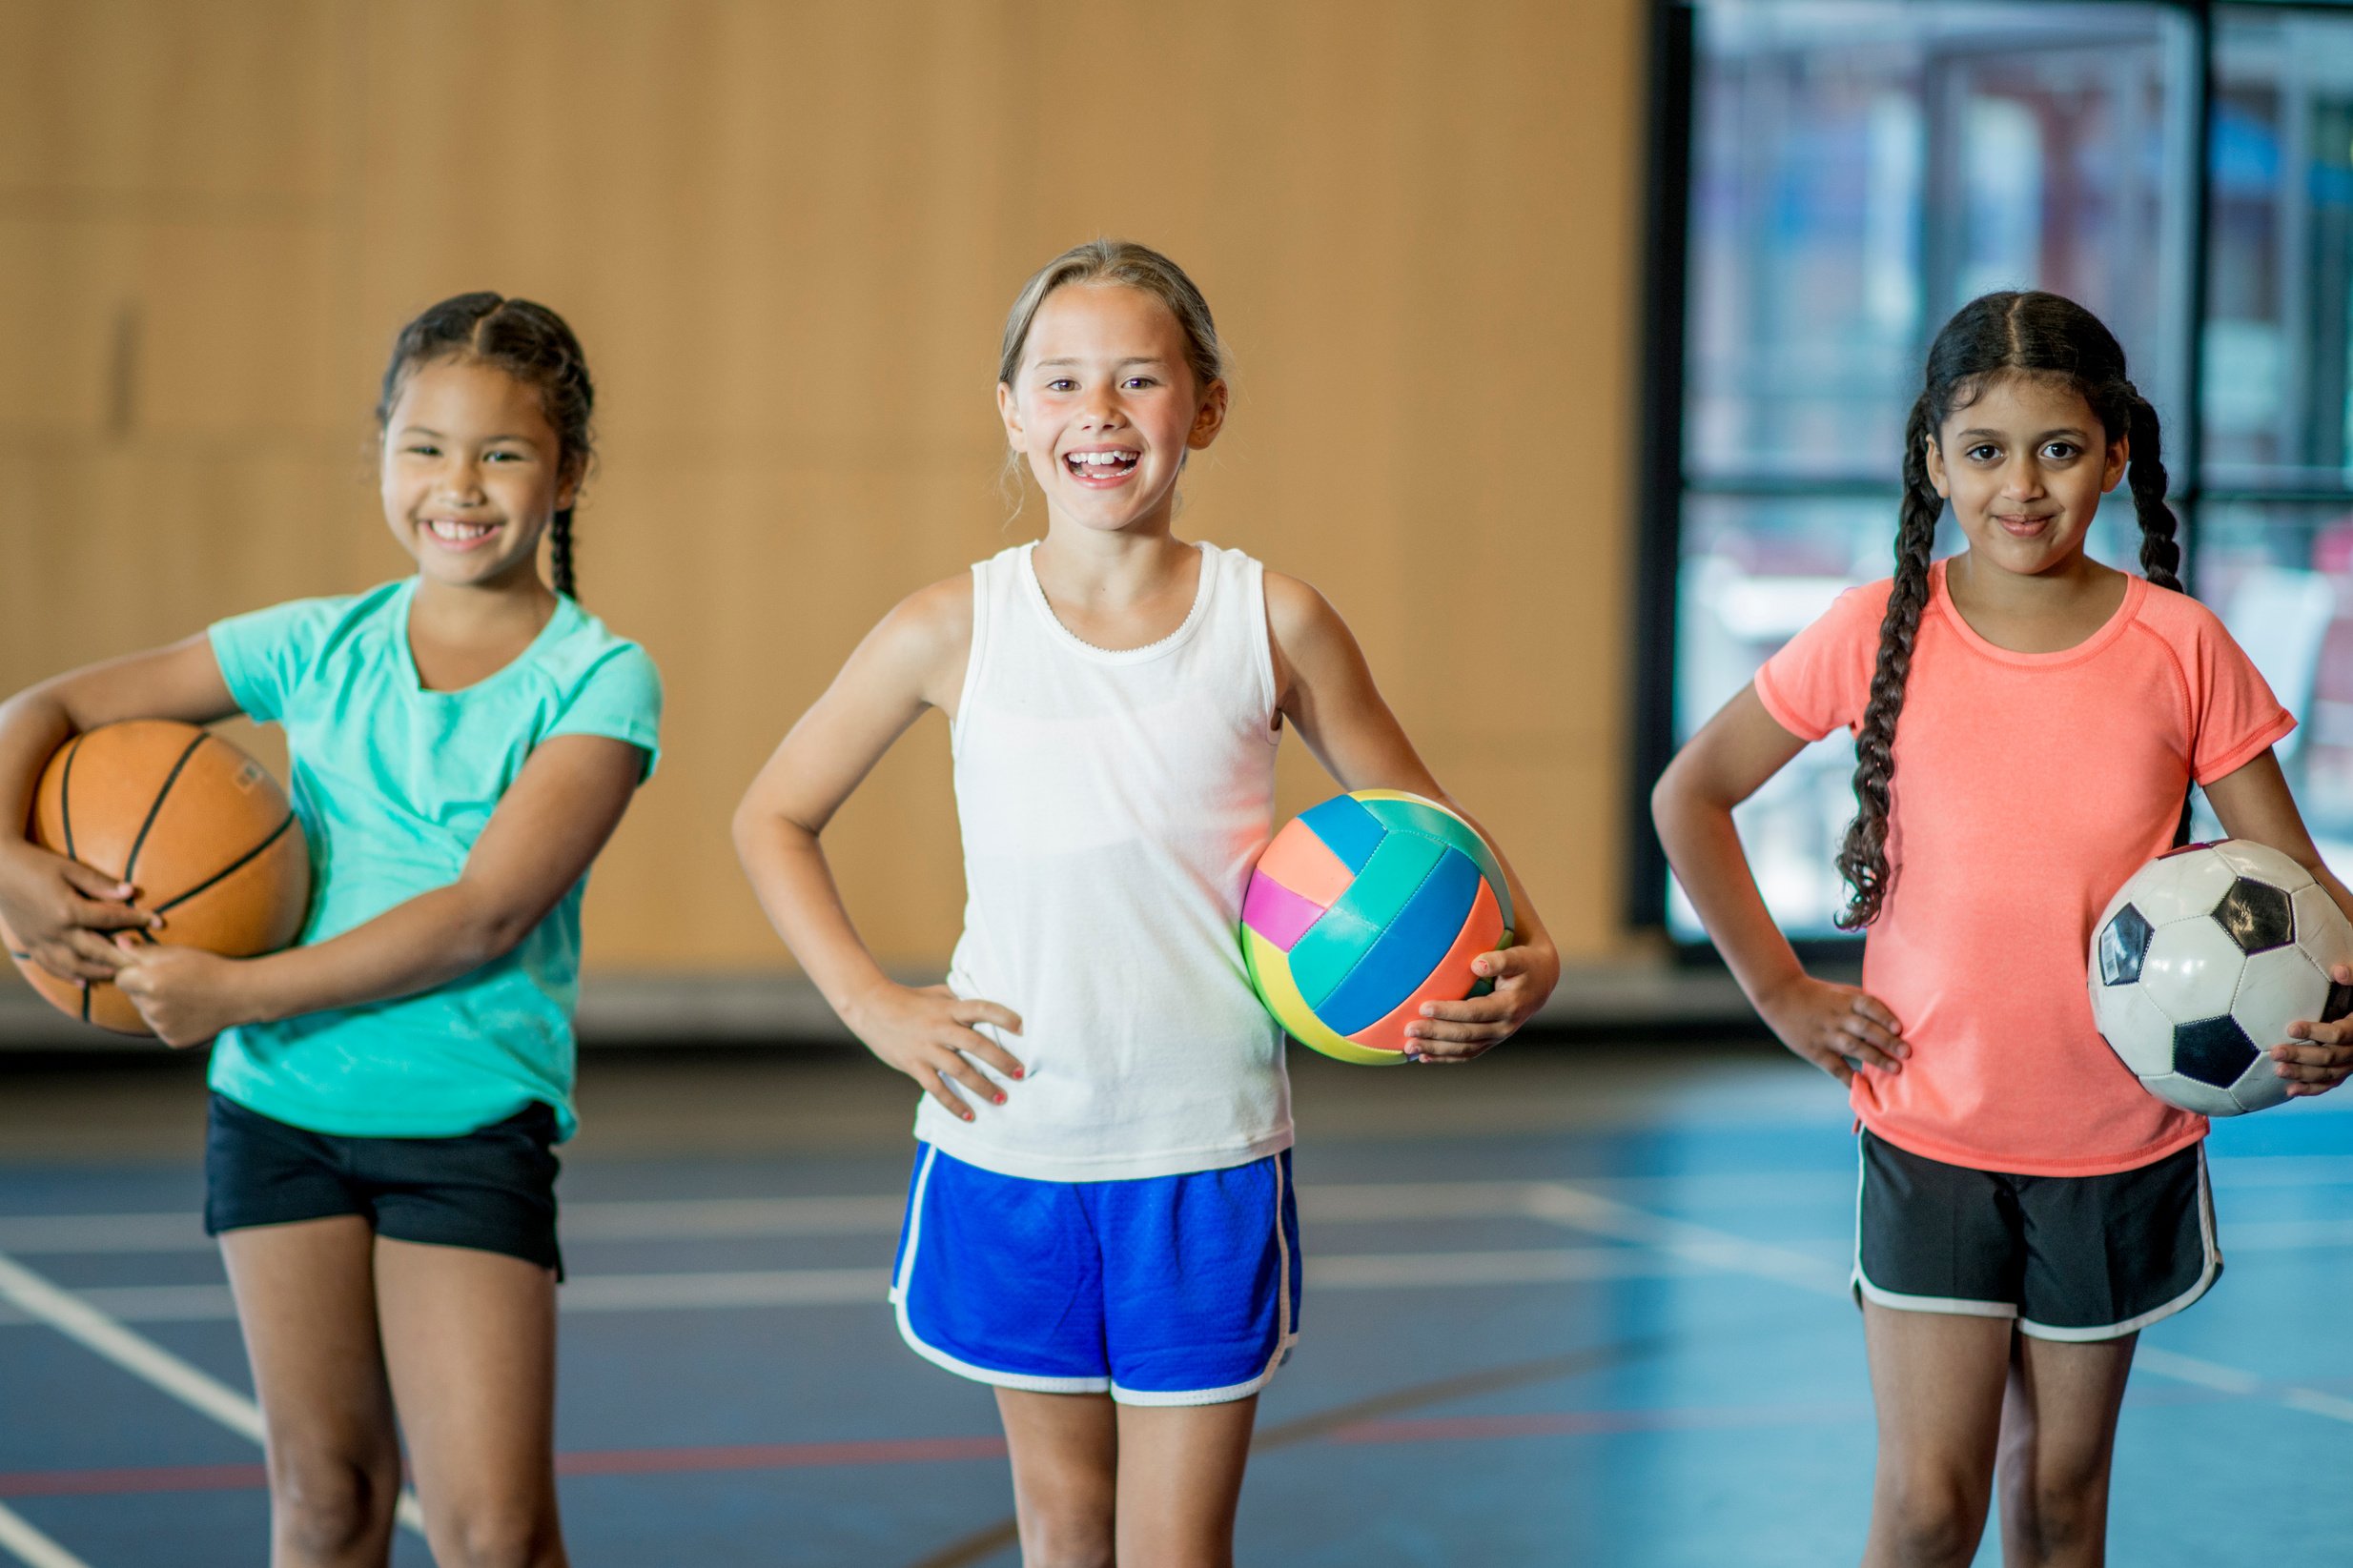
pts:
[1661, 482]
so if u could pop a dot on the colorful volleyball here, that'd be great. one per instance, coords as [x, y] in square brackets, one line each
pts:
[1364, 908]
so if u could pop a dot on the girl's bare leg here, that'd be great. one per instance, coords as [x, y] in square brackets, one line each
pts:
[1065, 1452]
[1181, 1477]
[470, 1341]
[2057, 1443]
[1937, 1381]
[306, 1301]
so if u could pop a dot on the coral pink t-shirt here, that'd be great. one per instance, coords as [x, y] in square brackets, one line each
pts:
[2028, 787]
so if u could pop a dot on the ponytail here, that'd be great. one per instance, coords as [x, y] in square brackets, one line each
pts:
[1863, 859]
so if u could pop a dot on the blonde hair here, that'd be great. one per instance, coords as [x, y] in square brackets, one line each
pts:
[1137, 267]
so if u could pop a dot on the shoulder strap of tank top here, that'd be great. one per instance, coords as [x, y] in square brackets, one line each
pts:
[1241, 613]
[990, 577]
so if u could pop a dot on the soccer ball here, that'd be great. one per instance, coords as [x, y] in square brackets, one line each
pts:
[2202, 960]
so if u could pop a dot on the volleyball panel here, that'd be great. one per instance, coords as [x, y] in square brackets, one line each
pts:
[1352, 833]
[1483, 931]
[1411, 945]
[1305, 864]
[1323, 958]
[1270, 975]
[1399, 809]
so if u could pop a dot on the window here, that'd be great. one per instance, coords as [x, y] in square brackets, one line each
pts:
[1854, 173]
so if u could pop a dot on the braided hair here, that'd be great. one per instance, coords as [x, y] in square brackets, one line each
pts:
[2027, 333]
[529, 342]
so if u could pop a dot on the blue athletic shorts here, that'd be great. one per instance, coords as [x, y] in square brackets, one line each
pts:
[1167, 1290]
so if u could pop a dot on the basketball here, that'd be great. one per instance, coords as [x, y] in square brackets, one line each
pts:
[199, 828]
[1363, 909]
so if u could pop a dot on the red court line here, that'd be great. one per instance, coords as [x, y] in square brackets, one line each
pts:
[184, 1477]
[647, 1461]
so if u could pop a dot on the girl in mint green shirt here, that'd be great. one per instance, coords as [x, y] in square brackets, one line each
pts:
[386, 1093]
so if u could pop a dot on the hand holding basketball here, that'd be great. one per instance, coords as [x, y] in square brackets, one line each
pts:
[59, 912]
[184, 994]
[927, 1034]
[1457, 1032]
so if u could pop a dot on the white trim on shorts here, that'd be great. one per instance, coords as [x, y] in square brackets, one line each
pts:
[1285, 1337]
[1022, 1381]
[1865, 1290]
[2207, 1276]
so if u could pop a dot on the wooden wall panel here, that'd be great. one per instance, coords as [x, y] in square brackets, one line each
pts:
[787, 234]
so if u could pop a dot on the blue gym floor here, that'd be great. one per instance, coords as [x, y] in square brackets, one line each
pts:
[1571, 1306]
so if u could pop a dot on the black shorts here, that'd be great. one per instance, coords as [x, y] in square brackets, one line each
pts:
[492, 1190]
[2069, 1257]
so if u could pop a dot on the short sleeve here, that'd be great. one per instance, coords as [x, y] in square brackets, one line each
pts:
[619, 697]
[2234, 709]
[1820, 681]
[265, 654]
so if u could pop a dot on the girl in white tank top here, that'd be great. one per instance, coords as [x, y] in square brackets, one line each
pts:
[1115, 698]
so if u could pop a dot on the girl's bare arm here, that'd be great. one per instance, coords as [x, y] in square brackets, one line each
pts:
[542, 839]
[912, 660]
[2253, 802]
[1325, 688]
[60, 910]
[1831, 1026]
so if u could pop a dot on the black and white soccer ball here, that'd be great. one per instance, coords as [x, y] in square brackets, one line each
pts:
[2202, 960]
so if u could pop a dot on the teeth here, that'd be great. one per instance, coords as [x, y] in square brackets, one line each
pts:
[458, 532]
[1102, 460]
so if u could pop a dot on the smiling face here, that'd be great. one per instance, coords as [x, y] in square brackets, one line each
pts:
[1105, 408]
[472, 474]
[2024, 467]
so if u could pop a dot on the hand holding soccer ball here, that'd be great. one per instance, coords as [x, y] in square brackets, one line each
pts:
[2215, 966]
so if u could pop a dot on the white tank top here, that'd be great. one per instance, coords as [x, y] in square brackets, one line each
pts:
[1111, 805]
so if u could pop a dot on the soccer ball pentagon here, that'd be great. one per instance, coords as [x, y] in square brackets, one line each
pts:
[2202, 960]
[1363, 909]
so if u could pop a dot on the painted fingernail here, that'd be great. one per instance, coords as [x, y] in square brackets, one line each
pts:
[1019, 1072]
[1000, 1099]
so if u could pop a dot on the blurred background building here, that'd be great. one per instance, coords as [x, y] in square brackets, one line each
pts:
[1574, 340]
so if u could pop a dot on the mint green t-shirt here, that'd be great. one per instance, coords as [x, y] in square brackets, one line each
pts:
[393, 783]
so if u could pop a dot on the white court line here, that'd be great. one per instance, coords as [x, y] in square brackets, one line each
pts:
[29, 1546]
[686, 1291]
[145, 1359]
[1601, 1216]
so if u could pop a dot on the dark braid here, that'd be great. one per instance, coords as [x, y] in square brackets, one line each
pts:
[1863, 859]
[2028, 333]
[560, 552]
[2160, 555]
[531, 343]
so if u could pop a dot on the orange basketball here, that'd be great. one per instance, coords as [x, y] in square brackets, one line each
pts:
[197, 826]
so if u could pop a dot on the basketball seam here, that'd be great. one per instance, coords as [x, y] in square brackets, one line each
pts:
[232, 868]
[65, 800]
[155, 808]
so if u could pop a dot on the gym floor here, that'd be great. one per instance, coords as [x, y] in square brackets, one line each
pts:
[1575, 1305]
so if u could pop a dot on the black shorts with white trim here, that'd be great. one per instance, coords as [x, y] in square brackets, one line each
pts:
[2068, 1257]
